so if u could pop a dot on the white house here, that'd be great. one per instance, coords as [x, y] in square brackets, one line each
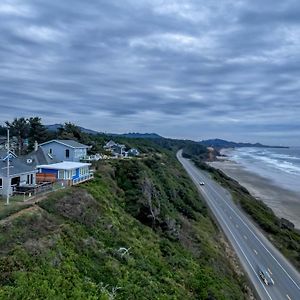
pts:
[70, 173]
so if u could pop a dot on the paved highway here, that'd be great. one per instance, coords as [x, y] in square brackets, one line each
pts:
[251, 246]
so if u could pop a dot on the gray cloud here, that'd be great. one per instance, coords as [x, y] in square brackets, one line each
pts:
[184, 69]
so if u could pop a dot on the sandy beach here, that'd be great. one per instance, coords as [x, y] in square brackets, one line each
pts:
[284, 203]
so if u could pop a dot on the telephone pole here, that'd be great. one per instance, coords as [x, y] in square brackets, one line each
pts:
[8, 180]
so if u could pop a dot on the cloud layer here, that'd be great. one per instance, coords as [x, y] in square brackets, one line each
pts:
[194, 69]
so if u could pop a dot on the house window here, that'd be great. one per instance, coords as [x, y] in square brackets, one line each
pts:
[61, 174]
[50, 151]
[1, 184]
[73, 172]
[31, 178]
[67, 153]
[28, 179]
[15, 181]
[84, 171]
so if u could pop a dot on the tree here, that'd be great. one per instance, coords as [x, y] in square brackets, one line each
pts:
[37, 132]
[2, 130]
[19, 128]
[70, 131]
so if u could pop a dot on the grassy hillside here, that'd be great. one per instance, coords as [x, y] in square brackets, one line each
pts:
[138, 231]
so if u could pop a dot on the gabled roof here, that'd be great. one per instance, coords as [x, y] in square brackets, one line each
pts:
[39, 157]
[17, 167]
[110, 144]
[69, 143]
[119, 146]
[3, 154]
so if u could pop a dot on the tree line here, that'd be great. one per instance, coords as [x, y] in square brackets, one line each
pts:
[28, 131]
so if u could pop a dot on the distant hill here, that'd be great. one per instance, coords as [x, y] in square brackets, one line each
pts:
[219, 143]
[136, 135]
[54, 127]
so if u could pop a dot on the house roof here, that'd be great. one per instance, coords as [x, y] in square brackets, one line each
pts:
[17, 166]
[110, 144]
[39, 157]
[65, 165]
[3, 154]
[69, 143]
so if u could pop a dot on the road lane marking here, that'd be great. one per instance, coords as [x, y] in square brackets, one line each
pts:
[270, 271]
[288, 297]
[258, 239]
[230, 217]
[216, 210]
[245, 237]
[194, 171]
[236, 225]
[255, 251]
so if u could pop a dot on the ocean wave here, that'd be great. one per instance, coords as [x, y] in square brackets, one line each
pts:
[284, 156]
[251, 157]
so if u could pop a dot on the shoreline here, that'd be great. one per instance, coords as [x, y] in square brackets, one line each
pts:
[284, 203]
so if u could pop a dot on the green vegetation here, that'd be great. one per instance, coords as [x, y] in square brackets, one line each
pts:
[286, 239]
[139, 230]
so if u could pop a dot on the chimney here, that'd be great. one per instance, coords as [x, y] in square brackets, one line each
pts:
[36, 145]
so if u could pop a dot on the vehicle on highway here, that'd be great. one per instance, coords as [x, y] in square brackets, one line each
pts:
[201, 183]
[265, 276]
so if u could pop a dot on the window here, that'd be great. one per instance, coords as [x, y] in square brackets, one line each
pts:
[1, 184]
[31, 179]
[27, 180]
[50, 151]
[67, 153]
[73, 172]
[84, 171]
[61, 174]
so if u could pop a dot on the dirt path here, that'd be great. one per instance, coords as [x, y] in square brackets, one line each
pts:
[33, 208]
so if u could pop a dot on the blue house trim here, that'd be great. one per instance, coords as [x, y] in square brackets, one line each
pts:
[50, 171]
[77, 175]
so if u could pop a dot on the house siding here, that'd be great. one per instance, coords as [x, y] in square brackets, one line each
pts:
[77, 174]
[59, 151]
[49, 171]
[7, 182]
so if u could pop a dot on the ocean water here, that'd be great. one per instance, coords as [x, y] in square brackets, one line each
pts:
[282, 166]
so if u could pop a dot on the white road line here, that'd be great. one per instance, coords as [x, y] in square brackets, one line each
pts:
[230, 217]
[195, 170]
[255, 251]
[245, 237]
[236, 225]
[216, 210]
[270, 271]
[257, 239]
[288, 297]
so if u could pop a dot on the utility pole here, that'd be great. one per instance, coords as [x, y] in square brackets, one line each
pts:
[8, 180]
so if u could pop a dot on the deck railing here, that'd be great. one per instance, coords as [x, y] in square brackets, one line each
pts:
[83, 178]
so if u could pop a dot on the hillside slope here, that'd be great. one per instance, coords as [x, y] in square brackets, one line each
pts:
[138, 231]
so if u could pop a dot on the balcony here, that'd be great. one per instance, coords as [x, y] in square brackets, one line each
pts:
[83, 178]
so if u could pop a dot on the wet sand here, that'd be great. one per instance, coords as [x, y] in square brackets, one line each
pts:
[284, 203]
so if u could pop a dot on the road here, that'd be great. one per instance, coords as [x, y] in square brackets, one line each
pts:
[251, 246]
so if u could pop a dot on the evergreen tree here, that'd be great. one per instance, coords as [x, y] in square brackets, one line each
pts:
[37, 132]
[20, 129]
[2, 130]
[70, 131]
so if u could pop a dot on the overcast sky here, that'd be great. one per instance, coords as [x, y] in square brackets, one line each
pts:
[182, 68]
